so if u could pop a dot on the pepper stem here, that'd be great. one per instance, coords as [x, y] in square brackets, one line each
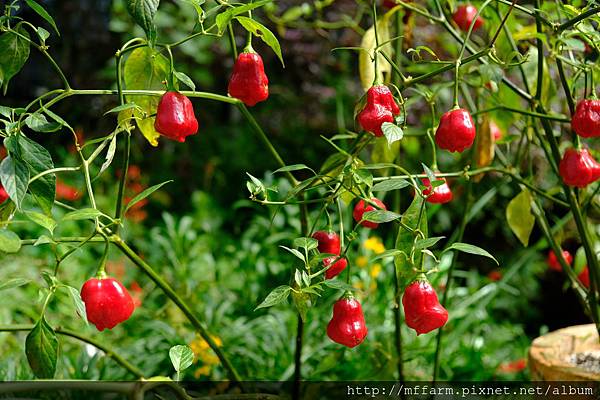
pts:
[171, 76]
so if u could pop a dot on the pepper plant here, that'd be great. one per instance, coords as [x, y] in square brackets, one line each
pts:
[506, 58]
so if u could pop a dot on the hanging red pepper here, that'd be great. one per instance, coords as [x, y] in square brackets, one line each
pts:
[336, 268]
[362, 207]
[422, 309]
[553, 263]
[463, 17]
[456, 131]
[248, 82]
[3, 195]
[175, 117]
[107, 302]
[379, 108]
[586, 120]
[578, 168]
[329, 242]
[347, 326]
[441, 194]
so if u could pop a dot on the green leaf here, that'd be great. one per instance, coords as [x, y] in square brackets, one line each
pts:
[381, 216]
[110, 154]
[263, 32]
[15, 52]
[186, 80]
[181, 357]
[469, 248]
[302, 303]
[39, 123]
[42, 13]
[225, 17]
[364, 176]
[306, 243]
[278, 295]
[38, 160]
[77, 302]
[519, 216]
[57, 118]
[385, 254]
[289, 168]
[122, 107]
[426, 243]
[405, 239]
[84, 213]
[142, 195]
[145, 69]
[9, 241]
[143, 12]
[42, 34]
[390, 184]
[14, 176]
[13, 283]
[42, 220]
[294, 252]
[338, 284]
[41, 347]
[392, 132]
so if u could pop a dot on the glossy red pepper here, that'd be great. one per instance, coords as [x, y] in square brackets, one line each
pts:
[422, 309]
[362, 207]
[336, 268]
[456, 131]
[329, 242]
[347, 326]
[578, 168]
[553, 263]
[463, 17]
[107, 302]
[175, 117]
[586, 120]
[248, 82]
[496, 132]
[441, 194]
[3, 195]
[379, 108]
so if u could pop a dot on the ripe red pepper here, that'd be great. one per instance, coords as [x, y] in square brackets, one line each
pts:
[175, 117]
[463, 17]
[336, 268]
[496, 132]
[3, 195]
[329, 242]
[441, 194]
[347, 326]
[248, 82]
[107, 302]
[422, 308]
[586, 120]
[362, 207]
[66, 192]
[553, 263]
[379, 108]
[578, 168]
[456, 131]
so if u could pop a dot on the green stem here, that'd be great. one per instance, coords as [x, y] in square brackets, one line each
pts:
[123, 180]
[576, 19]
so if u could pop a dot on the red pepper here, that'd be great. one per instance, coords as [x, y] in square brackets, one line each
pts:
[578, 168]
[389, 3]
[107, 302]
[66, 192]
[586, 120]
[379, 108]
[456, 131]
[441, 194]
[496, 132]
[362, 207]
[249, 83]
[553, 263]
[3, 195]
[329, 242]
[584, 277]
[175, 117]
[336, 268]
[422, 308]
[347, 326]
[463, 17]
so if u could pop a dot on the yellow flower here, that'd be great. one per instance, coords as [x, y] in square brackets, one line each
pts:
[374, 244]
[358, 285]
[375, 270]
[362, 261]
[204, 353]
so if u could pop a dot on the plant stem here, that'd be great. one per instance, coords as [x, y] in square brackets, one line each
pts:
[576, 19]
[182, 305]
[66, 332]
[298, 359]
[123, 180]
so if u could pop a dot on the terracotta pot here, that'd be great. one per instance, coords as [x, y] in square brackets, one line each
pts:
[552, 356]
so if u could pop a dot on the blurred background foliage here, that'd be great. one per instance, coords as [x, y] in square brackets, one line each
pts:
[220, 251]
